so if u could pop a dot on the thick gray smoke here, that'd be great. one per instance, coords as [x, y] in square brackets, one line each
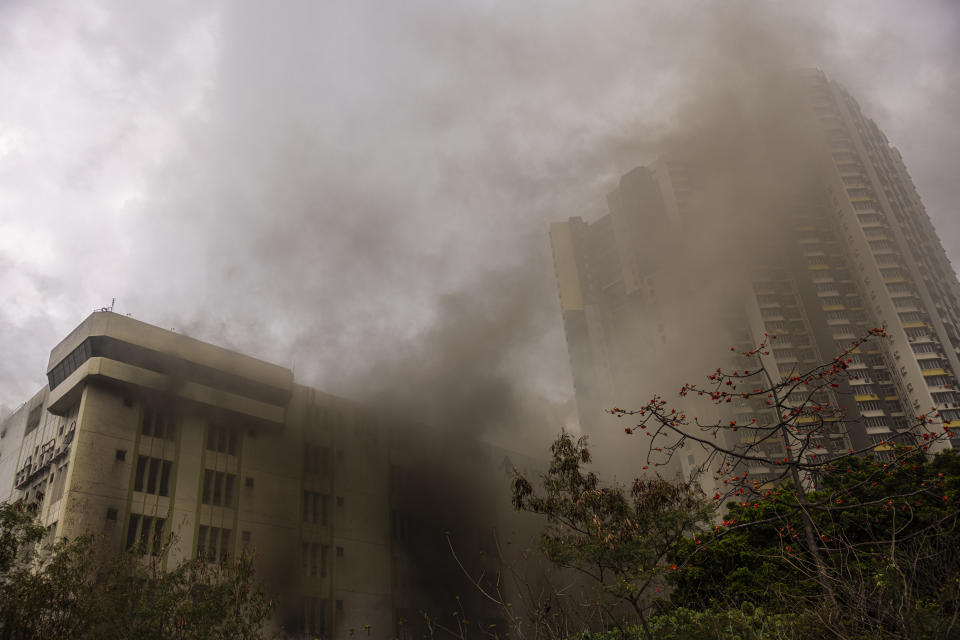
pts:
[361, 192]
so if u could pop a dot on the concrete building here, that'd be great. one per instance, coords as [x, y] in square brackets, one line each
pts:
[855, 250]
[145, 435]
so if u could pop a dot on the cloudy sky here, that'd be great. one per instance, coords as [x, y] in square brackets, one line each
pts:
[361, 190]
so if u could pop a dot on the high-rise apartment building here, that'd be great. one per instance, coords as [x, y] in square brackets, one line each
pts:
[145, 436]
[853, 249]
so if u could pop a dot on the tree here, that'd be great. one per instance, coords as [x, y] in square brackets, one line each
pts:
[615, 539]
[805, 524]
[70, 589]
[891, 555]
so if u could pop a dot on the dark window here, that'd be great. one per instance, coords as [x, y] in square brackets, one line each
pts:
[228, 491]
[152, 477]
[218, 488]
[157, 536]
[141, 471]
[339, 552]
[324, 553]
[249, 482]
[224, 544]
[207, 485]
[314, 617]
[132, 531]
[59, 484]
[222, 440]
[111, 513]
[69, 364]
[145, 532]
[33, 419]
[165, 478]
[146, 424]
[201, 541]
[315, 507]
[213, 544]
[121, 454]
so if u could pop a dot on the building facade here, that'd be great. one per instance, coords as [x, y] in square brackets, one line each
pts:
[165, 445]
[850, 250]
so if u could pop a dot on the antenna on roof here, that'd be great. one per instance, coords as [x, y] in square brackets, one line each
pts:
[113, 301]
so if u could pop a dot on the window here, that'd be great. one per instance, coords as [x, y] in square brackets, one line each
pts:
[218, 488]
[213, 543]
[314, 560]
[59, 484]
[145, 534]
[900, 288]
[157, 424]
[153, 476]
[945, 397]
[69, 364]
[315, 507]
[222, 440]
[33, 418]
[316, 459]
[314, 617]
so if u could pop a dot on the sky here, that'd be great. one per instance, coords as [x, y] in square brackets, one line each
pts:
[361, 191]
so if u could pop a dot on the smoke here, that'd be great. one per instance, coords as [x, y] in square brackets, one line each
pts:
[362, 192]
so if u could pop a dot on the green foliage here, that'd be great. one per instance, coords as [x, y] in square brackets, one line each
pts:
[744, 623]
[888, 534]
[72, 590]
[618, 539]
